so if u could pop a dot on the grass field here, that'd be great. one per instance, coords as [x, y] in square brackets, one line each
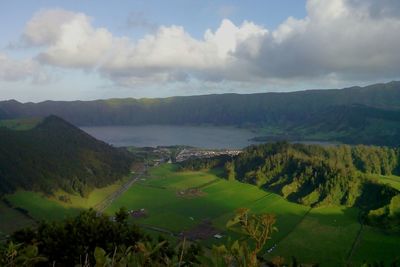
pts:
[321, 235]
[327, 235]
[375, 244]
[158, 195]
[51, 208]
[40, 207]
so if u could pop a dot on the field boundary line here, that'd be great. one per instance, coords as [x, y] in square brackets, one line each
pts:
[356, 240]
[247, 204]
[207, 184]
[295, 226]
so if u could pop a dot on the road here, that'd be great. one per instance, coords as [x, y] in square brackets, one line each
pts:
[101, 206]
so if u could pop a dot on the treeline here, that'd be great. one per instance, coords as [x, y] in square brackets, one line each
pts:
[205, 163]
[56, 154]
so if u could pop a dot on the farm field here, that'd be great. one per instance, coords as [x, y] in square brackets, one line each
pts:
[181, 201]
[39, 206]
[219, 198]
[375, 244]
[325, 234]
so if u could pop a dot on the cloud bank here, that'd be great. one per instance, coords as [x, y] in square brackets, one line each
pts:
[342, 40]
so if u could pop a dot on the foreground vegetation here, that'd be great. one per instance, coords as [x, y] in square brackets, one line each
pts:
[98, 240]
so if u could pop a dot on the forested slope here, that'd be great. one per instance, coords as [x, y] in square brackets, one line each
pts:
[56, 154]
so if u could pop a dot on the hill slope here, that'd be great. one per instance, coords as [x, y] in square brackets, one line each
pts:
[56, 154]
[350, 115]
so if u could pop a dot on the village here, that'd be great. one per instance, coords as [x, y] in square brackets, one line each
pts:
[188, 153]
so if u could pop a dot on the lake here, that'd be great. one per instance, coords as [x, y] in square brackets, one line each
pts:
[167, 135]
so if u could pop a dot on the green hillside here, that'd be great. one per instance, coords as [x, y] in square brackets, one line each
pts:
[54, 155]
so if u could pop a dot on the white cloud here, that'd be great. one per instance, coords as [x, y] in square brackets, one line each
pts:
[344, 39]
[44, 27]
[16, 70]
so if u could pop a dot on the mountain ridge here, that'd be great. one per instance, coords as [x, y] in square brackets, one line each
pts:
[293, 114]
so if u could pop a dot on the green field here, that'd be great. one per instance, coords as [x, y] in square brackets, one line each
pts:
[321, 235]
[219, 200]
[327, 235]
[51, 208]
[39, 206]
[375, 244]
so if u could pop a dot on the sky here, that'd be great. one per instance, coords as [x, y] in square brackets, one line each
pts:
[87, 49]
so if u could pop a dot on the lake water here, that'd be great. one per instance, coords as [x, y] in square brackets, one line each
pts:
[165, 135]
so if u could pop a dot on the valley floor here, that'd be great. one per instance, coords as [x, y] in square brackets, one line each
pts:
[199, 204]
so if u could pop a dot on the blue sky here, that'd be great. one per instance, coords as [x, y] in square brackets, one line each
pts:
[87, 49]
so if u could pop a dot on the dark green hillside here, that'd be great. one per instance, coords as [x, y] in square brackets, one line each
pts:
[316, 175]
[367, 115]
[355, 124]
[56, 154]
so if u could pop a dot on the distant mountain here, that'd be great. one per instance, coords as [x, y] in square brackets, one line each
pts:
[334, 114]
[55, 154]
